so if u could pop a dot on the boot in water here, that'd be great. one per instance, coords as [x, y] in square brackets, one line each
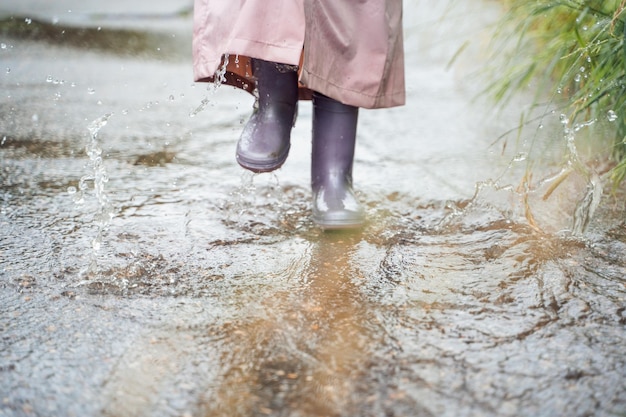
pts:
[265, 140]
[334, 136]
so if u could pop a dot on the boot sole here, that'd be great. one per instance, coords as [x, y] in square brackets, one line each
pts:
[339, 223]
[259, 167]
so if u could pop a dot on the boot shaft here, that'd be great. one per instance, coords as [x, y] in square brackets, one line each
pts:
[334, 140]
[277, 85]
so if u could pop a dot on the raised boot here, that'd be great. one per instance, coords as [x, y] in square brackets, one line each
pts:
[334, 136]
[265, 140]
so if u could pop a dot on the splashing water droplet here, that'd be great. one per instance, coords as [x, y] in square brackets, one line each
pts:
[611, 116]
[586, 207]
[520, 157]
[71, 190]
[564, 120]
[49, 79]
[91, 91]
[218, 79]
[28, 20]
[3, 45]
[98, 177]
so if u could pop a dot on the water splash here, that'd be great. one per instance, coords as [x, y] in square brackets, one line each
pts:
[96, 180]
[586, 207]
[564, 201]
[218, 80]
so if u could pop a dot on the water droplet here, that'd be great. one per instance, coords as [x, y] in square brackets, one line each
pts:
[3, 45]
[520, 157]
[28, 20]
[583, 69]
[563, 119]
[71, 190]
[49, 79]
[171, 97]
[8, 70]
[125, 111]
[577, 78]
[611, 116]
[91, 91]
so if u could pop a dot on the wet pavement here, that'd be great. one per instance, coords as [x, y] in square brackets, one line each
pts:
[143, 273]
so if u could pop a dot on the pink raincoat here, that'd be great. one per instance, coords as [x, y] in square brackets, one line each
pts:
[349, 50]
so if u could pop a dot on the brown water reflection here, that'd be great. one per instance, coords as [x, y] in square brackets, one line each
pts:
[307, 353]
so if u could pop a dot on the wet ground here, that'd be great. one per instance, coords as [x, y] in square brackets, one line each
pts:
[144, 274]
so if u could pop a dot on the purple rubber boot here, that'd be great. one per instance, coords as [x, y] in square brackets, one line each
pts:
[265, 140]
[334, 136]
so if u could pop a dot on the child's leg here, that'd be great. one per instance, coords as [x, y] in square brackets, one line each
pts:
[334, 135]
[265, 140]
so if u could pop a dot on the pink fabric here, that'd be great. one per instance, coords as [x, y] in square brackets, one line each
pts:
[351, 51]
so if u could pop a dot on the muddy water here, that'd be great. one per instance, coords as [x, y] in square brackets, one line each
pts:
[144, 274]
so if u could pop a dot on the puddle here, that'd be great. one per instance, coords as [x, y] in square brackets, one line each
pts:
[211, 292]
